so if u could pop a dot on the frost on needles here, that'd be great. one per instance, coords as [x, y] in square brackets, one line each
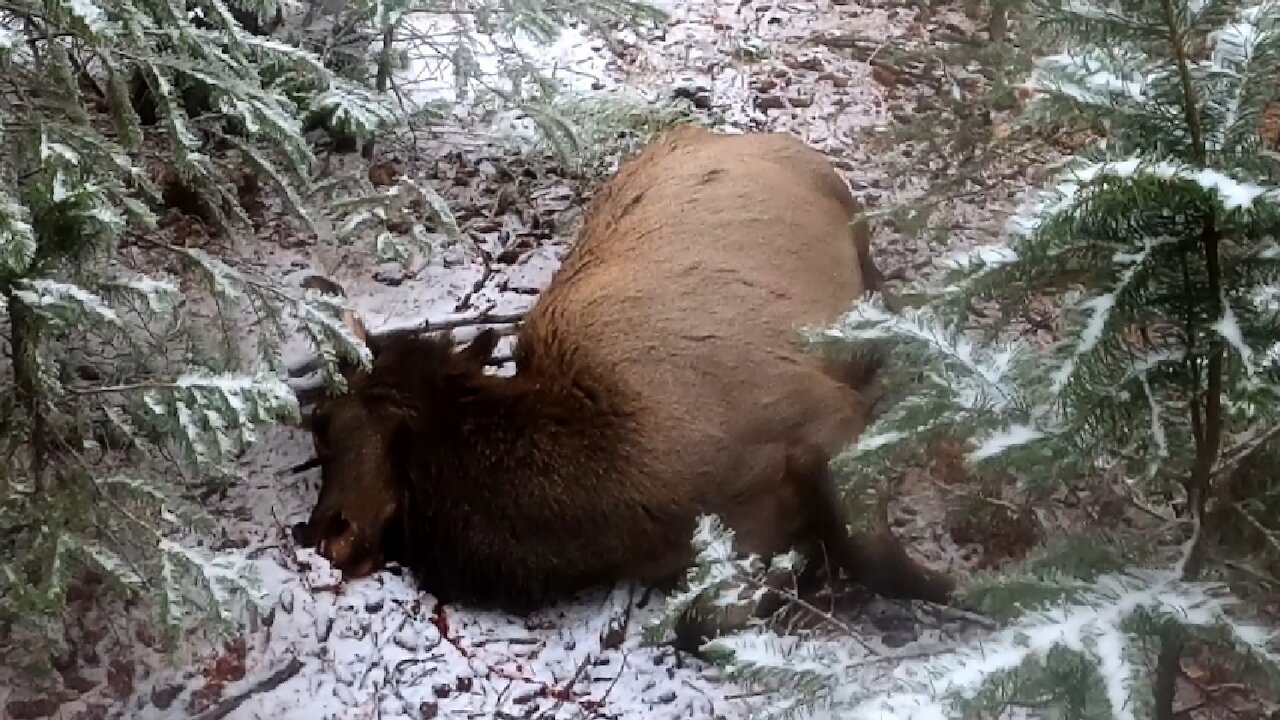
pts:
[1159, 245]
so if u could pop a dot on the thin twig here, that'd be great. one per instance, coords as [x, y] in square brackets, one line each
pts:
[267, 684]
[425, 326]
[1268, 533]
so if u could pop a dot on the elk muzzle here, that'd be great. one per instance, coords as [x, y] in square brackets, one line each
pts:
[350, 547]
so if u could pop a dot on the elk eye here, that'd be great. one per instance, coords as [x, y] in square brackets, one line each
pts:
[339, 524]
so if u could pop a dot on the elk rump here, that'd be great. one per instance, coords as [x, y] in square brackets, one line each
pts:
[658, 377]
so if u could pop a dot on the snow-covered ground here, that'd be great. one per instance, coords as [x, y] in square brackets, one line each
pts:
[378, 647]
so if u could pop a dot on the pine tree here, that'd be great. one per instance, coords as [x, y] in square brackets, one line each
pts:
[1159, 245]
[112, 416]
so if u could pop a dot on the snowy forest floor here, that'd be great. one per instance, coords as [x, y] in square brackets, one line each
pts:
[378, 648]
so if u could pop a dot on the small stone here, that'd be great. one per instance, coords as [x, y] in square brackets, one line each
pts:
[390, 274]
[373, 606]
[94, 711]
[441, 690]
[667, 697]
[813, 63]
[770, 102]
[464, 684]
[800, 101]
[31, 709]
[120, 677]
[78, 682]
[884, 76]
[383, 174]
[896, 640]
[839, 81]
[163, 697]
[428, 710]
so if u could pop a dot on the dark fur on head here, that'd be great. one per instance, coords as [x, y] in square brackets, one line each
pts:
[365, 437]
[462, 477]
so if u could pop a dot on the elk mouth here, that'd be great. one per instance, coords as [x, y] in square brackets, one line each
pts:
[354, 551]
[350, 552]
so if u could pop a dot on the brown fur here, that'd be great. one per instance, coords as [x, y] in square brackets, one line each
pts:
[658, 377]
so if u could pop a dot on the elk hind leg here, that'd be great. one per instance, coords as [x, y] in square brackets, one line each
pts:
[877, 560]
[778, 499]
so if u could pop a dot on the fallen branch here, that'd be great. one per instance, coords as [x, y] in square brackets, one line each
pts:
[426, 326]
[267, 684]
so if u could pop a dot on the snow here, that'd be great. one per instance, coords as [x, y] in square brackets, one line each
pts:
[1229, 328]
[1157, 421]
[997, 443]
[51, 293]
[1100, 308]
[1090, 85]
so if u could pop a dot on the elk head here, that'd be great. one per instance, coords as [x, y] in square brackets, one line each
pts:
[362, 440]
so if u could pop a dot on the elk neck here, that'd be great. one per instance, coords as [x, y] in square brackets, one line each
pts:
[558, 414]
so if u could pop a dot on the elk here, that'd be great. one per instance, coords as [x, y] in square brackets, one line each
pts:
[658, 377]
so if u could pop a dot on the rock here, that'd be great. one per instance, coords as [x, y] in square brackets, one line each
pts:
[383, 174]
[77, 682]
[31, 709]
[120, 677]
[163, 697]
[800, 101]
[896, 640]
[835, 79]
[428, 710]
[813, 63]
[390, 274]
[884, 76]
[770, 102]
[94, 711]
[694, 92]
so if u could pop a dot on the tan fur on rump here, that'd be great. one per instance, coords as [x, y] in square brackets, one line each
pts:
[658, 377]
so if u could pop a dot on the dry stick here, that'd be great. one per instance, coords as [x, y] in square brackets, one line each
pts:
[425, 326]
[267, 684]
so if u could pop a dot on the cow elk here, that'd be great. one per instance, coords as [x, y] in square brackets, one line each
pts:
[659, 377]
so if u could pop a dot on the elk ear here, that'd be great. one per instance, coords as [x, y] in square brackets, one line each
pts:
[481, 348]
